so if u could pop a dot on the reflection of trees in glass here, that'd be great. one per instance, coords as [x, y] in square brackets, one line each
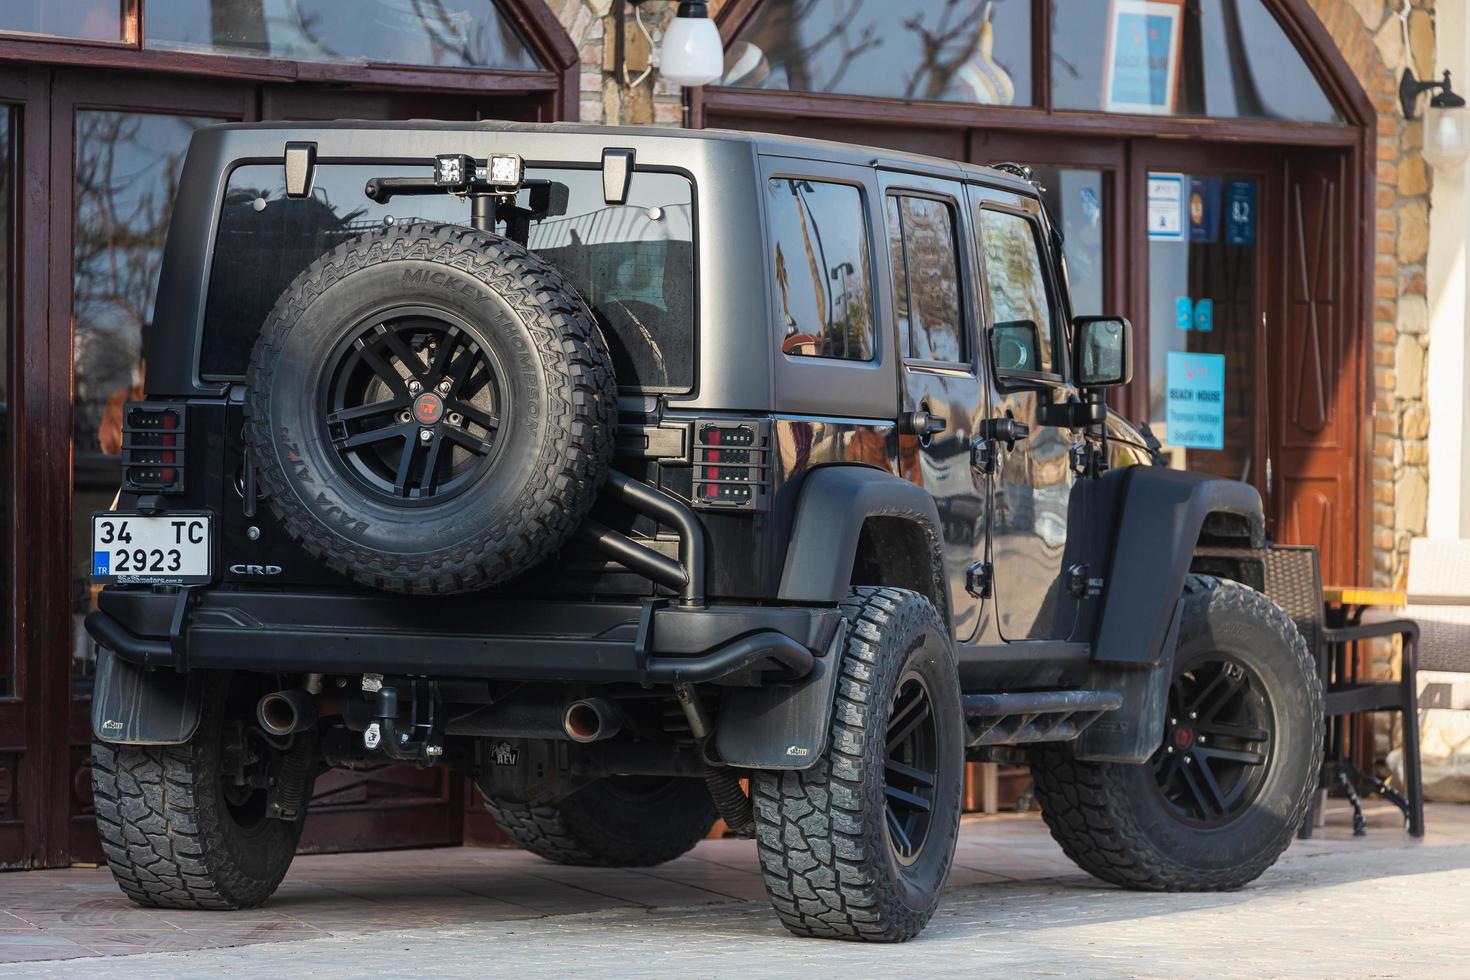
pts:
[925, 49]
[1017, 288]
[825, 293]
[449, 33]
[934, 295]
[127, 168]
[780, 37]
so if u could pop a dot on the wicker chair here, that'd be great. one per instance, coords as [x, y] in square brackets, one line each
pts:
[1291, 575]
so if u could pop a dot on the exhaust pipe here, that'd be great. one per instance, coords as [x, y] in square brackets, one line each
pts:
[591, 720]
[286, 712]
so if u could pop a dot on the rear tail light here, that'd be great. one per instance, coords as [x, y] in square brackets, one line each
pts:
[153, 450]
[732, 465]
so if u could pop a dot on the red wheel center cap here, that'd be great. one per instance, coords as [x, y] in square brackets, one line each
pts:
[428, 408]
[1183, 737]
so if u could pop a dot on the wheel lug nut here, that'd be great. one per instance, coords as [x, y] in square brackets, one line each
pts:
[1169, 749]
[1188, 760]
[444, 386]
[425, 435]
[455, 418]
[1173, 721]
[405, 416]
[414, 387]
[1193, 716]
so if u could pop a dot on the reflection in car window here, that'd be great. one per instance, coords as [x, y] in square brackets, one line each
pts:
[921, 238]
[1017, 285]
[633, 263]
[821, 269]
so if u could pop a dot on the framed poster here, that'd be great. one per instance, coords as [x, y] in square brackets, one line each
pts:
[1141, 61]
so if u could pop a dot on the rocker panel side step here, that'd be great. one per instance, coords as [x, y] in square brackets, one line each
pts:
[1034, 716]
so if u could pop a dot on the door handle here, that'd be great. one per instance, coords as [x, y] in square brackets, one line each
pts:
[1006, 430]
[922, 423]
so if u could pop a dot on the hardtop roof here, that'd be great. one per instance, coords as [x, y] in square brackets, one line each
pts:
[768, 144]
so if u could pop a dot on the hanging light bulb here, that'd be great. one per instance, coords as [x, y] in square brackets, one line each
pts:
[691, 53]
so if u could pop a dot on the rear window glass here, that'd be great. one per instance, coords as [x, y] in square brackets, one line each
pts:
[633, 263]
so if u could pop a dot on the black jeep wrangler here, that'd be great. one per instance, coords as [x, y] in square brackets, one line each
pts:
[627, 469]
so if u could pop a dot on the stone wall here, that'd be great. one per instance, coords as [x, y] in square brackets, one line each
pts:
[1371, 33]
[592, 26]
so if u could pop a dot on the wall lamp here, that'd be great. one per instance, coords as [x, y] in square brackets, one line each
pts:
[691, 53]
[1446, 121]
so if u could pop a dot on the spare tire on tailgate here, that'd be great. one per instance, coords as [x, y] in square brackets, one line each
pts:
[431, 408]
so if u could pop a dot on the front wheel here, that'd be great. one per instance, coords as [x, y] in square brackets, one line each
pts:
[1221, 797]
[192, 826]
[859, 846]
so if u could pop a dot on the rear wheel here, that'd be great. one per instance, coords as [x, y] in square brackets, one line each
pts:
[195, 826]
[859, 846]
[1221, 797]
[616, 822]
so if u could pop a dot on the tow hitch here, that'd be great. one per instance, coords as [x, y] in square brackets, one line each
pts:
[420, 742]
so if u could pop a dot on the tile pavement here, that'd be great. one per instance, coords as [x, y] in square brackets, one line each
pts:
[364, 899]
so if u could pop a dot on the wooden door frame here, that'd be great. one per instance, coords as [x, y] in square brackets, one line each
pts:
[67, 724]
[30, 405]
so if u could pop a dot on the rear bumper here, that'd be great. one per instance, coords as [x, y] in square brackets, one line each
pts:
[592, 642]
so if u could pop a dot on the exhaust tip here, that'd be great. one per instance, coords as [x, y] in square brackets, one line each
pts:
[285, 712]
[590, 721]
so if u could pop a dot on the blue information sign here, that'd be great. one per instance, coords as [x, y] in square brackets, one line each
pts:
[1240, 212]
[1204, 209]
[1183, 313]
[1194, 411]
[1204, 315]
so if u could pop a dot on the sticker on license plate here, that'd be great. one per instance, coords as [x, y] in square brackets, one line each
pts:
[129, 549]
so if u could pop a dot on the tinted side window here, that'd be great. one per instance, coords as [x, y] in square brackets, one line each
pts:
[1017, 284]
[824, 286]
[921, 242]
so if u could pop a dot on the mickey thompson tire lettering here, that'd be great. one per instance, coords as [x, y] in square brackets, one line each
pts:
[553, 414]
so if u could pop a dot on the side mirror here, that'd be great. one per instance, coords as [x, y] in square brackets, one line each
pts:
[1102, 351]
[1015, 346]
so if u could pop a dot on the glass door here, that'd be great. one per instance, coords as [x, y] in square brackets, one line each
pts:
[1201, 296]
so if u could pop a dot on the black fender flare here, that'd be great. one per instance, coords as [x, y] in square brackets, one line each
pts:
[833, 503]
[1158, 517]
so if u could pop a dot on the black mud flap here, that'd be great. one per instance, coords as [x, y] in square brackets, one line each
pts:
[134, 705]
[1134, 732]
[780, 726]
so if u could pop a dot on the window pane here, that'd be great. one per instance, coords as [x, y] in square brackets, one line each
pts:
[90, 20]
[1202, 318]
[127, 169]
[441, 33]
[898, 261]
[1076, 200]
[822, 270]
[930, 325]
[1017, 284]
[1166, 57]
[632, 263]
[955, 50]
[7, 161]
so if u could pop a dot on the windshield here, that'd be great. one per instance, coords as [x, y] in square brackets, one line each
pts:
[633, 263]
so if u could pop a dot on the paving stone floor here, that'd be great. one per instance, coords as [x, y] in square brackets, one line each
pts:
[1335, 906]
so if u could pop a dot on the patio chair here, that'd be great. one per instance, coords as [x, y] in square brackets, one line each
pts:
[1291, 575]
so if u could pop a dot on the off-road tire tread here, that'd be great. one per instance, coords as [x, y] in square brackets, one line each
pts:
[1087, 812]
[559, 836]
[163, 835]
[810, 823]
[580, 391]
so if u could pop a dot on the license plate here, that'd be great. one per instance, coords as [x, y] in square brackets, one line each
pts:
[129, 549]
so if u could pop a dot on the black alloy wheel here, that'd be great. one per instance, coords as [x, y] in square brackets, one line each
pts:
[910, 768]
[413, 405]
[1217, 741]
